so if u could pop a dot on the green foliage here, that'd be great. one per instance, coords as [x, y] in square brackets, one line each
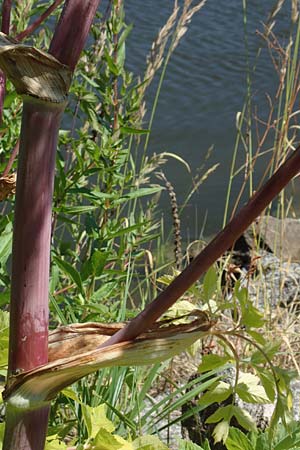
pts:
[280, 439]
[105, 226]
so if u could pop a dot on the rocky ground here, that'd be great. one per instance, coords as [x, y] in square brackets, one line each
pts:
[275, 289]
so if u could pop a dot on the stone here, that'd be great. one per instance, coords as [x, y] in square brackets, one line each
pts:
[280, 236]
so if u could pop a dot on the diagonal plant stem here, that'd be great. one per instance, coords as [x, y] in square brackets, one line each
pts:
[222, 242]
[31, 28]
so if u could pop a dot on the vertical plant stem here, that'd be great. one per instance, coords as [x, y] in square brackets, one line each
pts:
[30, 264]
[26, 430]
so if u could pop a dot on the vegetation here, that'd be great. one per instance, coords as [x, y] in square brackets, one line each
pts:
[104, 227]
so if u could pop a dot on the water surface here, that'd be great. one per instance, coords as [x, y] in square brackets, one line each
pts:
[204, 88]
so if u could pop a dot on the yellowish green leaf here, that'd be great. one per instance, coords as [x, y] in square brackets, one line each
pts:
[148, 442]
[216, 393]
[210, 362]
[221, 430]
[104, 440]
[250, 390]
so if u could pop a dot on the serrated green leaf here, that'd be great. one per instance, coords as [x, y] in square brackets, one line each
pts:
[210, 362]
[249, 389]
[216, 393]
[95, 419]
[187, 445]
[237, 440]
[104, 440]
[148, 442]
[244, 418]
[222, 413]
[221, 430]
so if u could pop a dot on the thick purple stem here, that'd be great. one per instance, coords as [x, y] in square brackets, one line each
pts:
[31, 247]
[30, 264]
[26, 430]
[73, 27]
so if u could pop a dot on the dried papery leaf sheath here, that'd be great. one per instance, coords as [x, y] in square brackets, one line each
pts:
[7, 186]
[38, 387]
[34, 73]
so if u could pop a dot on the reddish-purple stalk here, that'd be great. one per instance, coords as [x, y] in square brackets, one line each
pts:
[31, 28]
[11, 159]
[222, 242]
[29, 317]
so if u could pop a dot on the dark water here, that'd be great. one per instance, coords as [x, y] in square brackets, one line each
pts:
[204, 88]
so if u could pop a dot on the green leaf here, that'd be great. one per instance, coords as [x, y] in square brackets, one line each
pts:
[210, 362]
[142, 192]
[95, 419]
[129, 130]
[237, 440]
[258, 337]
[187, 445]
[222, 413]
[77, 209]
[249, 389]
[69, 270]
[210, 283]
[5, 244]
[2, 429]
[89, 80]
[110, 62]
[227, 412]
[4, 298]
[244, 418]
[216, 393]
[104, 440]
[221, 430]
[268, 382]
[148, 442]
[291, 441]
[251, 316]
[270, 349]
[95, 265]
[68, 392]
[55, 444]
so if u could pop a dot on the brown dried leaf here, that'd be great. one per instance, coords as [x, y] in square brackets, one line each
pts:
[7, 186]
[74, 353]
[33, 72]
